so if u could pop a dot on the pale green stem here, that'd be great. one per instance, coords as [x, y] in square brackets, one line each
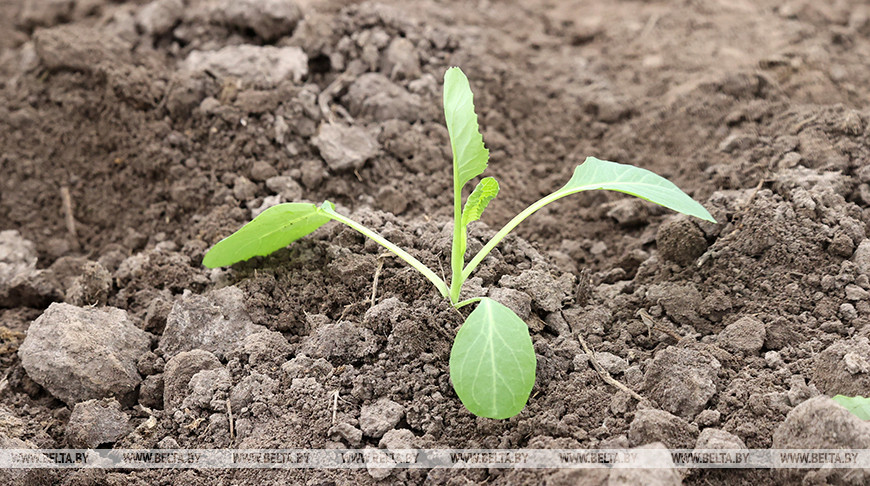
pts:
[439, 284]
[457, 256]
[508, 228]
[467, 301]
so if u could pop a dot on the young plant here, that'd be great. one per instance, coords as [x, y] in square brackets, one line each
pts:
[492, 361]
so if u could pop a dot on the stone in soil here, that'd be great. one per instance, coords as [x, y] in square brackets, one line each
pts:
[254, 66]
[97, 422]
[821, 423]
[79, 354]
[213, 322]
[843, 368]
[78, 48]
[680, 240]
[375, 97]
[746, 335]
[711, 438]
[377, 418]
[269, 19]
[343, 147]
[682, 380]
[179, 371]
[344, 339]
[160, 16]
[651, 425]
[21, 284]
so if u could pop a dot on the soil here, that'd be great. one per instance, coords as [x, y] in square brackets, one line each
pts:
[125, 156]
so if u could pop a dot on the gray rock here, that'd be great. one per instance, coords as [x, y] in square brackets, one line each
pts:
[708, 418]
[629, 212]
[21, 284]
[17, 256]
[515, 300]
[44, 13]
[398, 439]
[377, 418]
[255, 66]
[746, 335]
[78, 48]
[375, 97]
[351, 435]
[255, 387]
[344, 148]
[97, 422]
[160, 16]
[179, 370]
[286, 187]
[401, 60]
[304, 367]
[548, 293]
[265, 351]
[612, 363]
[718, 439]
[269, 19]
[680, 240]
[151, 391]
[681, 303]
[843, 368]
[651, 425]
[821, 423]
[244, 189]
[861, 257]
[854, 292]
[79, 354]
[339, 340]
[208, 390]
[657, 470]
[682, 380]
[260, 171]
[214, 322]
[91, 287]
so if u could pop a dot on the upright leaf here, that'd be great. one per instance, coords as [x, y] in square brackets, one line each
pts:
[469, 155]
[486, 191]
[859, 406]
[272, 230]
[492, 362]
[601, 174]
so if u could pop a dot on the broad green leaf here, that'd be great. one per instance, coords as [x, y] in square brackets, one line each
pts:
[469, 155]
[600, 174]
[859, 406]
[272, 230]
[476, 203]
[492, 362]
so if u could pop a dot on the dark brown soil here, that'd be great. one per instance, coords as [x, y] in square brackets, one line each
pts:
[757, 109]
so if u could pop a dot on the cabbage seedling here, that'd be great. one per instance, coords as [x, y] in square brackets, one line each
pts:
[492, 361]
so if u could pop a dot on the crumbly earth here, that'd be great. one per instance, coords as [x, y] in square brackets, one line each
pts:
[134, 135]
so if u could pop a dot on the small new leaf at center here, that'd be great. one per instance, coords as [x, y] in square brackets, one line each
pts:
[486, 191]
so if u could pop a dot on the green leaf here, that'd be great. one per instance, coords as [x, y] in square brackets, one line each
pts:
[272, 230]
[469, 155]
[486, 191]
[859, 406]
[601, 174]
[492, 362]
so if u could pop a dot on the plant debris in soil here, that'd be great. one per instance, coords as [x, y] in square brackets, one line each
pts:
[135, 135]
